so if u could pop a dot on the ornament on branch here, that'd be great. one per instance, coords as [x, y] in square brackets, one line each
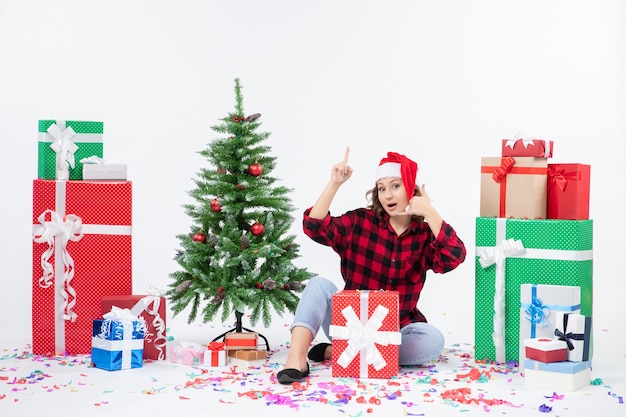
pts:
[269, 284]
[241, 187]
[253, 117]
[245, 242]
[257, 229]
[218, 298]
[255, 169]
[199, 237]
[183, 286]
[293, 286]
[213, 240]
[221, 170]
[215, 205]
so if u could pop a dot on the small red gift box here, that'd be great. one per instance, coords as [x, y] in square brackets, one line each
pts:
[82, 251]
[513, 187]
[365, 334]
[215, 355]
[241, 340]
[546, 350]
[538, 148]
[568, 191]
[152, 309]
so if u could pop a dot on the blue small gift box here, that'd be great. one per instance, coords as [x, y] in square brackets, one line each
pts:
[117, 344]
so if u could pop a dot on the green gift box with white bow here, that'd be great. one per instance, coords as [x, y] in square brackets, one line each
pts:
[512, 252]
[63, 143]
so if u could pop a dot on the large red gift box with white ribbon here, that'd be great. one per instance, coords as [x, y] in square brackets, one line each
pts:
[152, 309]
[82, 252]
[365, 334]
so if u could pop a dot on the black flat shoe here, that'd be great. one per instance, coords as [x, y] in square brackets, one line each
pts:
[291, 375]
[316, 354]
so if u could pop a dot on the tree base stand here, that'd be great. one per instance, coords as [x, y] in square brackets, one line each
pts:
[239, 329]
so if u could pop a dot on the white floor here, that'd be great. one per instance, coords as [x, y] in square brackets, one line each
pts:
[68, 387]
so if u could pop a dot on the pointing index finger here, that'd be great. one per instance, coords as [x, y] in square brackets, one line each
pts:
[345, 155]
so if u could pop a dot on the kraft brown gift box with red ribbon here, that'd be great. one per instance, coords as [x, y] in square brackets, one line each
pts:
[82, 251]
[513, 187]
[152, 309]
[247, 354]
[568, 191]
[241, 340]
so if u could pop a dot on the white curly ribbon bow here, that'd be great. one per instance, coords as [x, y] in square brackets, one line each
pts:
[122, 340]
[497, 255]
[64, 147]
[150, 304]
[58, 232]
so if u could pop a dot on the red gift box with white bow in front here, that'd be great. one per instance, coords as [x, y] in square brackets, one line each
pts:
[365, 334]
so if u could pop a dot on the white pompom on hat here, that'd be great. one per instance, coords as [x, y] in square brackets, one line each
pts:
[399, 166]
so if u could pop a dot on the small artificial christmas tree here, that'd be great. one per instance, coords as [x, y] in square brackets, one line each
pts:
[238, 255]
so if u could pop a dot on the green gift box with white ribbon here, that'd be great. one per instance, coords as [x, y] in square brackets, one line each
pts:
[63, 143]
[512, 252]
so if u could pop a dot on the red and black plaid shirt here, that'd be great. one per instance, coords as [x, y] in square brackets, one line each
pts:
[374, 257]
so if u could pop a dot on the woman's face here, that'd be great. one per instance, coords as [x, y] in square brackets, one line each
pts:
[392, 195]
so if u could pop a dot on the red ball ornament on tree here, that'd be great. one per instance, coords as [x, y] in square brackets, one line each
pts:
[199, 237]
[255, 169]
[215, 205]
[259, 286]
[257, 229]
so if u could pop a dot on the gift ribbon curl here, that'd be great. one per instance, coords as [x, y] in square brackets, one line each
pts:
[57, 233]
[497, 256]
[151, 304]
[63, 146]
[362, 338]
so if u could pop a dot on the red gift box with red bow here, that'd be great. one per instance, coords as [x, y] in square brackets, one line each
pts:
[568, 191]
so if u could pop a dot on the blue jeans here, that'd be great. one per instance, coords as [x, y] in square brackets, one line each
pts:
[421, 342]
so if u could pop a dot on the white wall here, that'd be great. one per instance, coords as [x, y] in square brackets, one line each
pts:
[441, 81]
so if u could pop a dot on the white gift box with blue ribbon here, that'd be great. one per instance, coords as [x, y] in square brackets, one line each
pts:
[539, 307]
[118, 340]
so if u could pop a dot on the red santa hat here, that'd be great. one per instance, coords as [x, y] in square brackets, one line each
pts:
[399, 166]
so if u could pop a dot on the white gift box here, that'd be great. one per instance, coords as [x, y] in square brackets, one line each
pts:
[215, 357]
[557, 376]
[575, 329]
[104, 171]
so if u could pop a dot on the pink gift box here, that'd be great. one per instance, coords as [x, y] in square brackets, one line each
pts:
[187, 353]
